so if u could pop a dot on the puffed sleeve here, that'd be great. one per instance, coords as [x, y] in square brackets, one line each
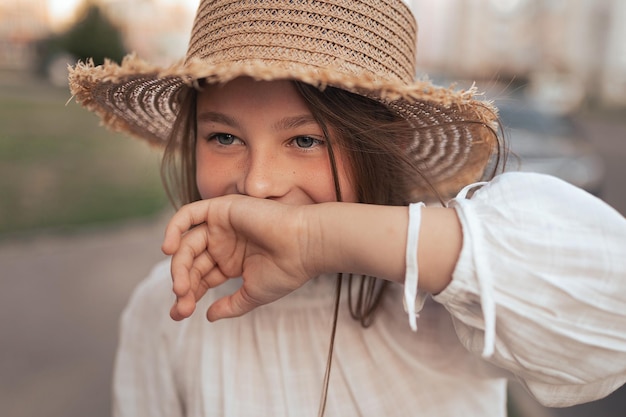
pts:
[540, 286]
[143, 377]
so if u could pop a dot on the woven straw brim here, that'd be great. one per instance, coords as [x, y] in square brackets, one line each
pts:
[454, 131]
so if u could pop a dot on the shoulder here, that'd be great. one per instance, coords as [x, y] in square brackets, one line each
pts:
[512, 186]
[524, 195]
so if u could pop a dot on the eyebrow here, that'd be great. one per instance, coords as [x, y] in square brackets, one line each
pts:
[285, 123]
[215, 117]
[294, 122]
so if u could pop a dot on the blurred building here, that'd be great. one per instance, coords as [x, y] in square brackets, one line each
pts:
[613, 76]
[565, 49]
[22, 22]
[157, 31]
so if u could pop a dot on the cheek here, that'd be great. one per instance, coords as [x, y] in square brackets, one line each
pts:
[346, 181]
[207, 186]
[326, 183]
[213, 178]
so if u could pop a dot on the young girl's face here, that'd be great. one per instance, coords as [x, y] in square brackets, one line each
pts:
[258, 138]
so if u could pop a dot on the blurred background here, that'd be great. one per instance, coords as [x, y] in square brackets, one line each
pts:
[82, 209]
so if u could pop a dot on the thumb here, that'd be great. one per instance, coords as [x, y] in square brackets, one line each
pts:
[234, 305]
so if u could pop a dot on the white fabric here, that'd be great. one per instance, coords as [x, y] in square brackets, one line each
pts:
[483, 276]
[271, 361]
[411, 304]
[556, 257]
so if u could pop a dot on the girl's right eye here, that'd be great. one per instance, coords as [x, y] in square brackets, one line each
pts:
[223, 139]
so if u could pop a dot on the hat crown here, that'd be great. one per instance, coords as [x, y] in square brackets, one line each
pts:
[371, 38]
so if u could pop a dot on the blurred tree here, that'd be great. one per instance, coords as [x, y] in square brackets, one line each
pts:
[92, 36]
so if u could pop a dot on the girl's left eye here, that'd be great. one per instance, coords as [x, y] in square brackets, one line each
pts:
[306, 142]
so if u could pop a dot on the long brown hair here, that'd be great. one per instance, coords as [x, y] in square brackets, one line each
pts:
[373, 138]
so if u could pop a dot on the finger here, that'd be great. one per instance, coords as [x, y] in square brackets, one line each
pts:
[184, 259]
[180, 268]
[185, 304]
[203, 267]
[189, 215]
[213, 279]
[183, 307]
[234, 305]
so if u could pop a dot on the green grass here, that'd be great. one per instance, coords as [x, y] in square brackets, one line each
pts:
[59, 169]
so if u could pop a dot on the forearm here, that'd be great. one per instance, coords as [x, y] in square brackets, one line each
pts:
[371, 240]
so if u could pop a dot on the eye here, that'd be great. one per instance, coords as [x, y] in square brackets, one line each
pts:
[223, 138]
[306, 142]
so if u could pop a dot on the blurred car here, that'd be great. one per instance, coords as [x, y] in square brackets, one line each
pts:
[548, 143]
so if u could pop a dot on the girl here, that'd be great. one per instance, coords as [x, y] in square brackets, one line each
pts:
[303, 150]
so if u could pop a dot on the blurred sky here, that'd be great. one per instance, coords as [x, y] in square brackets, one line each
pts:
[61, 10]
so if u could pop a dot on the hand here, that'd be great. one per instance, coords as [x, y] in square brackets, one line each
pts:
[211, 241]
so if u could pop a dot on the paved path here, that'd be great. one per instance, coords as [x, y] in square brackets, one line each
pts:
[59, 306]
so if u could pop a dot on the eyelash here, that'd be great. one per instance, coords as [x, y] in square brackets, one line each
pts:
[215, 136]
[316, 143]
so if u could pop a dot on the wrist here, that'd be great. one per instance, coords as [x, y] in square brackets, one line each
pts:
[320, 242]
[358, 238]
[371, 240]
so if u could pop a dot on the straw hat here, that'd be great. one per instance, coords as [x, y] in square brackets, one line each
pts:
[363, 46]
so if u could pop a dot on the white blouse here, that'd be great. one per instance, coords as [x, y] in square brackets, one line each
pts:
[538, 294]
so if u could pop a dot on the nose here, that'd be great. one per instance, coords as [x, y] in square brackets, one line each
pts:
[264, 176]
